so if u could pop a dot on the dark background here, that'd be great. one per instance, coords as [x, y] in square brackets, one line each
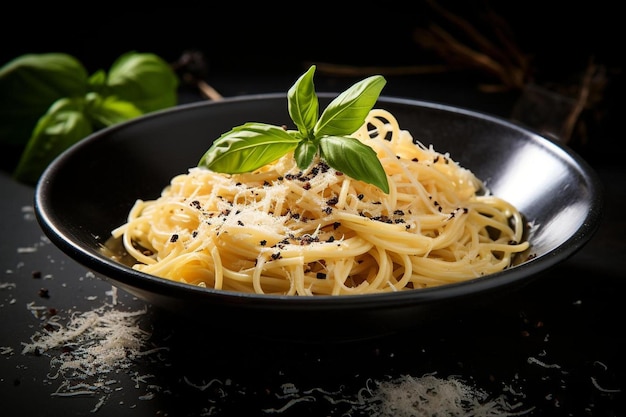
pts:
[261, 37]
[571, 317]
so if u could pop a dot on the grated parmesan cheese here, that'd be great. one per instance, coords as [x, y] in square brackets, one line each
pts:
[91, 344]
[408, 396]
[428, 395]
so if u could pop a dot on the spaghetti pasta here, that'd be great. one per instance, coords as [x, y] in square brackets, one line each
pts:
[281, 230]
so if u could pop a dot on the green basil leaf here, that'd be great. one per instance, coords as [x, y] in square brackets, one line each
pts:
[97, 82]
[303, 104]
[253, 145]
[63, 125]
[304, 153]
[355, 159]
[248, 147]
[110, 110]
[29, 85]
[145, 80]
[347, 112]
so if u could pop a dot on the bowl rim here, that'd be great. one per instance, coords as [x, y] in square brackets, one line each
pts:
[130, 279]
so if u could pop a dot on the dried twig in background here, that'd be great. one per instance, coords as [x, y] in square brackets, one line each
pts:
[193, 69]
[500, 58]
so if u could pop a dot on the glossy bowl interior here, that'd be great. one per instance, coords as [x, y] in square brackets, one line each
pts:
[89, 189]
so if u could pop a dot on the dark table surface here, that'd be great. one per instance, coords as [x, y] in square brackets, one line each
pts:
[554, 347]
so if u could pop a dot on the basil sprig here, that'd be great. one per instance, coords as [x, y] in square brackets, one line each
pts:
[253, 145]
[49, 102]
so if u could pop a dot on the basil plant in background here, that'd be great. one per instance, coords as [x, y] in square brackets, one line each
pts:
[48, 102]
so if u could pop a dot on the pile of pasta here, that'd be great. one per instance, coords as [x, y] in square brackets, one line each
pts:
[281, 230]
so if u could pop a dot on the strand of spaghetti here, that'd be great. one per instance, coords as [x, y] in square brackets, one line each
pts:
[284, 267]
[509, 212]
[455, 271]
[385, 265]
[218, 268]
[344, 287]
[406, 271]
[314, 252]
[243, 279]
[341, 269]
[296, 274]
[256, 276]
[392, 236]
[167, 267]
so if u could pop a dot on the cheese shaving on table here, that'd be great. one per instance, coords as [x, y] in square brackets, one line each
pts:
[91, 344]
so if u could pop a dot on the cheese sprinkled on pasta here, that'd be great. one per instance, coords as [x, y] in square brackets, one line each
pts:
[280, 230]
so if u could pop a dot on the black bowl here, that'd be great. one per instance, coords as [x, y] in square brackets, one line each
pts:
[88, 191]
